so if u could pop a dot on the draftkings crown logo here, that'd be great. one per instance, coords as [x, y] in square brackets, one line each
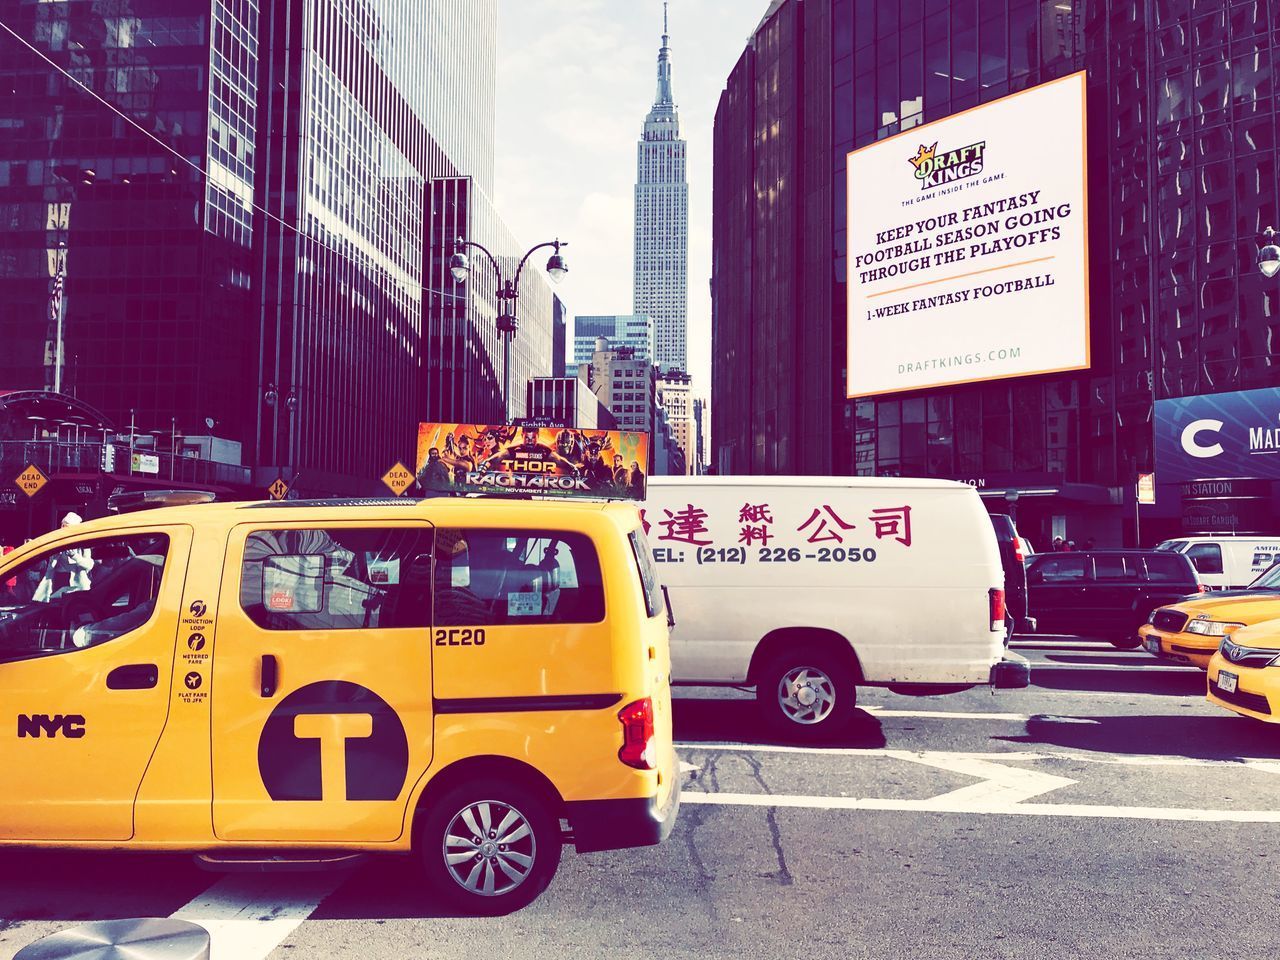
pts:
[933, 169]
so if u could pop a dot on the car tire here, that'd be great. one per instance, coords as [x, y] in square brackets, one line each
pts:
[515, 873]
[822, 677]
[1126, 643]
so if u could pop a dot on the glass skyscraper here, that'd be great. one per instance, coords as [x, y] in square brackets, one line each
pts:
[661, 267]
[621, 330]
[272, 276]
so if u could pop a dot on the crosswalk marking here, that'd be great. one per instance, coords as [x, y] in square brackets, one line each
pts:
[248, 916]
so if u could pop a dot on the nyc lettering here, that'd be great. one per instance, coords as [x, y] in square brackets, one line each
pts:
[39, 725]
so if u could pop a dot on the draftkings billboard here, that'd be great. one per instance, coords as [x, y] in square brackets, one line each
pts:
[556, 461]
[968, 246]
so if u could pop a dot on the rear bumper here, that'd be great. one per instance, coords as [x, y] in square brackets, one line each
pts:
[1011, 673]
[617, 824]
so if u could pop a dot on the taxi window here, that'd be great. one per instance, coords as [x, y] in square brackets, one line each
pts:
[80, 595]
[648, 574]
[495, 577]
[337, 579]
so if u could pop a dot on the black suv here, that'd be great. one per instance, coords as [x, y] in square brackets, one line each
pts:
[1015, 574]
[1106, 593]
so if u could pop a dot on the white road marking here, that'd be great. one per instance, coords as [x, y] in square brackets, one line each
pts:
[1144, 668]
[1101, 811]
[1120, 759]
[1001, 785]
[880, 711]
[248, 916]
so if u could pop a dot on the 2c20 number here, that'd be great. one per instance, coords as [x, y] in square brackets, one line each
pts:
[460, 637]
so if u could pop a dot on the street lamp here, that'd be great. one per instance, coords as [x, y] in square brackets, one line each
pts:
[1269, 255]
[508, 293]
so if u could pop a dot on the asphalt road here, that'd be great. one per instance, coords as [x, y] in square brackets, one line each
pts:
[1107, 811]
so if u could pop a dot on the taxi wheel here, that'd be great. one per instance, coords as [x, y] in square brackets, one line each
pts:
[807, 694]
[1126, 643]
[489, 846]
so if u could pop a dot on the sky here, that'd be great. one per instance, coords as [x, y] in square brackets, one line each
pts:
[575, 80]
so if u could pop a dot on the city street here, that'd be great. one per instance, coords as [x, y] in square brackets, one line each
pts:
[1107, 811]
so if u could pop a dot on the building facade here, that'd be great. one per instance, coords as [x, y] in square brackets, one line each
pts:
[675, 397]
[661, 264]
[626, 384]
[463, 376]
[568, 401]
[258, 258]
[1181, 180]
[634, 331]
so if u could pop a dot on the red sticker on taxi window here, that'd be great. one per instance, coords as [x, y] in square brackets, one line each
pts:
[280, 600]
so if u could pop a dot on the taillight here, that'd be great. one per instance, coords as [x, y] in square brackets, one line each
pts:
[1017, 550]
[995, 597]
[637, 735]
[1201, 588]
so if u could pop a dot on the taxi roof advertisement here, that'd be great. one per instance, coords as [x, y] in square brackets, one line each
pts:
[528, 459]
[967, 246]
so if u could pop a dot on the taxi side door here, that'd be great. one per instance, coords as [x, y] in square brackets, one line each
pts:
[321, 695]
[87, 633]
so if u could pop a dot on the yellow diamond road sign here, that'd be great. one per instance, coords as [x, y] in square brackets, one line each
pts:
[398, 479]
[31, 481]
[278, 490]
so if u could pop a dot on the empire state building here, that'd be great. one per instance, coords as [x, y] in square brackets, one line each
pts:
[661, 266]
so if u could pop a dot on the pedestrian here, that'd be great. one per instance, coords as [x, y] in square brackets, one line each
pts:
[72, 564]
[1070, 547]
[1057, 545]
[1088, 544]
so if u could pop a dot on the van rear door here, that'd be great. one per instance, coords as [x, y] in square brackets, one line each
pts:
[321, 694]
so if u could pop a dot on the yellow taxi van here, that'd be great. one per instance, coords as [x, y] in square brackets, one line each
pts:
[1244, 674]
[1190, 631]
[310, 680]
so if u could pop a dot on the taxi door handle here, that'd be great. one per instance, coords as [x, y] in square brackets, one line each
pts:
[269, 675]
[133, 676]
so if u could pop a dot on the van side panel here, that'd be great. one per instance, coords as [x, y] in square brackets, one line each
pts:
[902, 572]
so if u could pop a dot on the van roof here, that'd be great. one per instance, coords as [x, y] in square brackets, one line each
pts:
[898, 483]
[1226, 537]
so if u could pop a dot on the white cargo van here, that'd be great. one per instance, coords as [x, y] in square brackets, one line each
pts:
[806, 587]
[1226, 562]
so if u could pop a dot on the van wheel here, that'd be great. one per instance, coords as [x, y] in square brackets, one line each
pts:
[489, 847]
[1126, 643]
[806, 694]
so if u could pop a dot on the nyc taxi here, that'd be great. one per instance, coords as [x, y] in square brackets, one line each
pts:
[1244, 675]
[314, 679]
[1190, 631]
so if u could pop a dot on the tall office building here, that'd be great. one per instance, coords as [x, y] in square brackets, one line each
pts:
[1182, 120]
[264, 264]
[621, 330]
[661, 267]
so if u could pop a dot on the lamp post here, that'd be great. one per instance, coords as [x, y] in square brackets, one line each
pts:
[508, 293]
[1269, 254]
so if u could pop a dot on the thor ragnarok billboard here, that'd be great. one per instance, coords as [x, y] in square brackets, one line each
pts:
[555, 461]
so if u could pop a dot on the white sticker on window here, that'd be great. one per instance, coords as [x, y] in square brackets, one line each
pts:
[525, 604]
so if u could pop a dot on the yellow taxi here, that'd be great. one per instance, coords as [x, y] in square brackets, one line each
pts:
[1244, 675]
[310, 680]
[1190, 631]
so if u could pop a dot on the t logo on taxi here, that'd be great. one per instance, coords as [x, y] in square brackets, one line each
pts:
[333, 740]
